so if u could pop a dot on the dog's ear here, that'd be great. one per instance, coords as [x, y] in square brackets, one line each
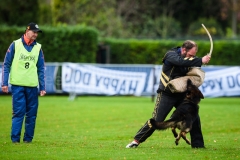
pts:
[201, 95]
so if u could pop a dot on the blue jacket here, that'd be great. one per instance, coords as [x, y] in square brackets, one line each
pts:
[8, 62]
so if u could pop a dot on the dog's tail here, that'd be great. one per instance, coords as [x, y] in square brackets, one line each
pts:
[161, 125]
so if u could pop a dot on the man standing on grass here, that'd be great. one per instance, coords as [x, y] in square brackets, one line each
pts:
[176, 63]
[24, 61]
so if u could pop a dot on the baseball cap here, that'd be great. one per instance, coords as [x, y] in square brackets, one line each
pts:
[34, 27]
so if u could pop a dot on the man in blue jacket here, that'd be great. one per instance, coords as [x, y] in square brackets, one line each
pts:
[24, 61]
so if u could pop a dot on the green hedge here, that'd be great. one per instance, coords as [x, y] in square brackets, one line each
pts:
[132, 51]
[59, 44]
[80, 44]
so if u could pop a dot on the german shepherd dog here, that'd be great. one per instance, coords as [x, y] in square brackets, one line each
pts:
[184, 115]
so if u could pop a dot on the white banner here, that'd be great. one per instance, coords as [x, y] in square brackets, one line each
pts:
[89, 79]
[132, 79]
[223, 82]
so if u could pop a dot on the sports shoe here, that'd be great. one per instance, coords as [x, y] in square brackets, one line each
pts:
[133, 144]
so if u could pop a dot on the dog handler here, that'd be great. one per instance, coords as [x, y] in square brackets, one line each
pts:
[24, 61]
[176, 63]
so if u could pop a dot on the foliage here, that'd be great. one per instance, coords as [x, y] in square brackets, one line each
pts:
[226, 51]
[69, 44]
[160, 27]
[167, 27]
[132, 51]
[95, 13]
[189, 11]
[124, 18]
[18, 12]
[79, 44]
[45, 13]
[211, 24]
[101, 127]
[138, 19]
[137, 51]
[59, 44]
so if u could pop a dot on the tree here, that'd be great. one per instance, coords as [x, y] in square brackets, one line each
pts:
[149, 18]
[45, 12]
[98, 13]
[229, 9]
[18, 12]
[124, 18]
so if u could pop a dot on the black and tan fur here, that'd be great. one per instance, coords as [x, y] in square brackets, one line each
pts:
[184, 116]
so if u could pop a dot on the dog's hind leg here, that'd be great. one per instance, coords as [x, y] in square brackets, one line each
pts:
[183, 135]
[178, 138]
[174, 132]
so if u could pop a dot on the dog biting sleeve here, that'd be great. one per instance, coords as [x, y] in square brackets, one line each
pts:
[178, 85]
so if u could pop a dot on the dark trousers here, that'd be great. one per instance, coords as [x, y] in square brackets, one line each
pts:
[164, 104]
[25, 105]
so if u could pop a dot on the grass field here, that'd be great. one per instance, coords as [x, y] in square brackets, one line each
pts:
[100, 128]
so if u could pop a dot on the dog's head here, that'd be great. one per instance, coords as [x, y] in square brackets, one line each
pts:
[193, 93]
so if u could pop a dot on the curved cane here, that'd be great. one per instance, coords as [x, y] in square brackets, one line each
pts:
[210, 53]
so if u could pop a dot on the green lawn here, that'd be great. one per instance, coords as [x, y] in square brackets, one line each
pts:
[100, 128]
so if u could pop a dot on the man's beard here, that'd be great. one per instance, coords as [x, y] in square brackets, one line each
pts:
[184, 54]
